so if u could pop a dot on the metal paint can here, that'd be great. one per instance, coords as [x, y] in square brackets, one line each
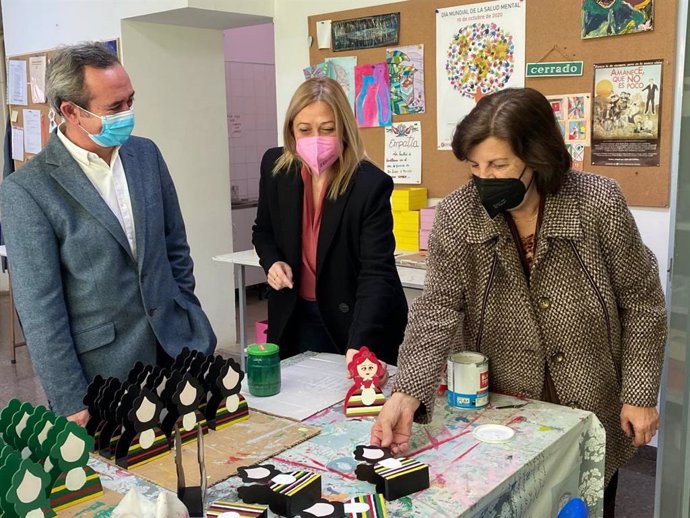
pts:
[468, 380]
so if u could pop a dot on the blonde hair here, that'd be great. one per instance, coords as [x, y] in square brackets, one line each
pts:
[352, 150]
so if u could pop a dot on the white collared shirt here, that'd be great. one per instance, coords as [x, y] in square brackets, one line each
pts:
[110, 182]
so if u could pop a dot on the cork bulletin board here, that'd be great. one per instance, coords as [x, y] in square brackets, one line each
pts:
[48, 118]
[552, 34]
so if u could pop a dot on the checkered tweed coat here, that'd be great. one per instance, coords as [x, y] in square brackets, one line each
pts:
[594, 308]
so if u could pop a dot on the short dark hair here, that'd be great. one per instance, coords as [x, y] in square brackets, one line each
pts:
[523, 118]
[65, 74]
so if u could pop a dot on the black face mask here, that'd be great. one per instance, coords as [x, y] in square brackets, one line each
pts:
[500, 194]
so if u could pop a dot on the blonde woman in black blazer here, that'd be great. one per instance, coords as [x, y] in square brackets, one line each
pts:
[350, 273]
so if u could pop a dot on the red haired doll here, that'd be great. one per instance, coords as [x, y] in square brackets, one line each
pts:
[365, 398]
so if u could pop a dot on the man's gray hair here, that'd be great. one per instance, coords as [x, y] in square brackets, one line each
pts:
[65, 74]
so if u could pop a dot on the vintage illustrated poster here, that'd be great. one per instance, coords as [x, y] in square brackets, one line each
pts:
[626, 113]
[613, 17]
[480, 49]
[572, 112]
[406, 71]
[403, 156]
[342, 69]
[372, 95]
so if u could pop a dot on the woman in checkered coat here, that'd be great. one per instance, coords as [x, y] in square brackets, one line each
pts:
[542, 269]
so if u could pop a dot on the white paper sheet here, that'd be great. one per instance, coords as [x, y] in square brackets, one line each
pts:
[403, 154]
[306, 387]
[17, 144]
[323, 34]
[16, 82]
[37, 78]
[32, 131]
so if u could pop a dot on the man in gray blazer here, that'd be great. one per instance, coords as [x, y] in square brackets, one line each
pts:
[98, 253]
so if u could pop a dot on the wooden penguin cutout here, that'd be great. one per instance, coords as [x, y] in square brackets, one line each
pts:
[26, 495]
[90, 400]
[369, 506]
[141, 440]
[285, 493]
[181, 397]
[107, 404]
[76, 481]
[394, 478]
[225, 406]
[364, 398]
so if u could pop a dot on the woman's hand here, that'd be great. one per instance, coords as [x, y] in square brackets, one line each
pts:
[348, 358]
[279, 276]
[393, 426]
[639, 423]
[81, 418]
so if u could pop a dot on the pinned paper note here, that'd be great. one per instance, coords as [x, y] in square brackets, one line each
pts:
[403, 153]
[16, 82]
[323, 34]
[37, 78]
[32, 131]
[18, 144]
[14, 116]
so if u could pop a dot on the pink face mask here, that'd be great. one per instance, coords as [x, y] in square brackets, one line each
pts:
[319, 153]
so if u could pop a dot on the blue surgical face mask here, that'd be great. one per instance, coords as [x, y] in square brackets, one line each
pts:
[115, 129]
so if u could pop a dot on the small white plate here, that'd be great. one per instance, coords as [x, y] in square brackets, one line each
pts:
[493, 433]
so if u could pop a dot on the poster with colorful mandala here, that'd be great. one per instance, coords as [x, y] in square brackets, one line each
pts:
[480, 49]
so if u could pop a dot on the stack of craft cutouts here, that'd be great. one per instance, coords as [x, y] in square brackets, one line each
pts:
[298, 493]
[42, 462]
[133, 420]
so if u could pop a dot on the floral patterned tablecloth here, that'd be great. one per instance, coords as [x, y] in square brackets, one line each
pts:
[556, 453]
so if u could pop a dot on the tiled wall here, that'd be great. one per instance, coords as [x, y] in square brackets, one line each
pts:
[251, 122]
[251, 101]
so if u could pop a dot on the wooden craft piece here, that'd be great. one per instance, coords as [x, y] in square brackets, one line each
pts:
[222, 509]
[285, 493]
[394, 478]
[138, 373]
[6, 416]
[90, 400]
[76, 481]
[181, 397]
[115, 413]
[193, 497]
[46, 447]
[18, 426]
[36, 430]
[323, 508]
[141, 440]
[27, 492]
[365, 397]
[225, 405]
[366, 506]
[107, 404]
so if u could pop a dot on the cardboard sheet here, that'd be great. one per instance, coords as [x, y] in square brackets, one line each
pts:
[101, 506]
[242, 444]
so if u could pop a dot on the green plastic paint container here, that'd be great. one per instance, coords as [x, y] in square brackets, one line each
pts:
[263, 369]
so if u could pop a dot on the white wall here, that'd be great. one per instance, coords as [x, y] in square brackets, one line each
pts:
[292, 55]
[179, 77]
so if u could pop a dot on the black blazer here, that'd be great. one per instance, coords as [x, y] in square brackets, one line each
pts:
[357, 284]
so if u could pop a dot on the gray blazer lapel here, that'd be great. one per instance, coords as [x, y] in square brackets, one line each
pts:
[70, 176]
[135, 184]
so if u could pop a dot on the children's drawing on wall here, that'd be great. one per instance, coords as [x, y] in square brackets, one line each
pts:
[626, 107]
[480, 49]
[342, 69]
[613, 17]
[406, 71]
[365, 33]
[572, 114]
[372, 95]
[318, 70]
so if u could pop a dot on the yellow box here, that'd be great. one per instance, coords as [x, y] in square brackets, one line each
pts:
[410, 198]
[406, 220]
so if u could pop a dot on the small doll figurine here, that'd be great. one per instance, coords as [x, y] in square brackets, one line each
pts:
[365, 397]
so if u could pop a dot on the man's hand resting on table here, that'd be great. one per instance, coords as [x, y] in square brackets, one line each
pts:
[393, 426]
